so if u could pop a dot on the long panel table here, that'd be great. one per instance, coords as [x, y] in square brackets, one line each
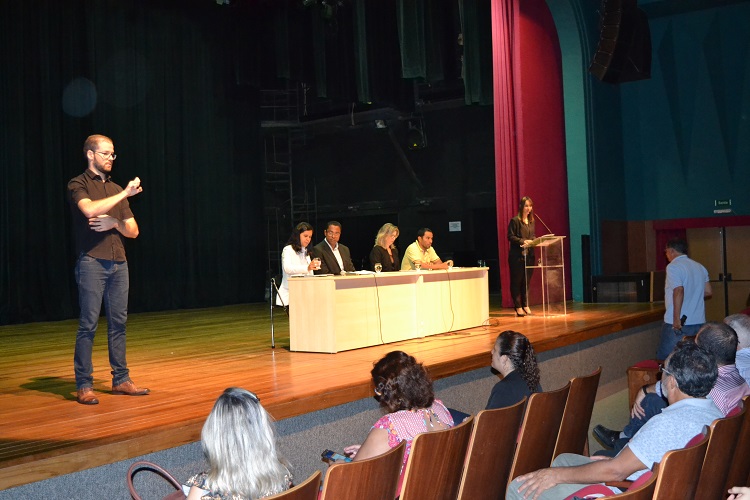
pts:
[338, 313]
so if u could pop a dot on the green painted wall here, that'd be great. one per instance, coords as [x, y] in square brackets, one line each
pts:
[686, 131]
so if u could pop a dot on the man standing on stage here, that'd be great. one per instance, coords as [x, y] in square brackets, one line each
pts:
[685, 290]
[335, 258]
[101, 216]
[421, 251]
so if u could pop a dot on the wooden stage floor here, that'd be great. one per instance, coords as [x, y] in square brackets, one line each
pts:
[187, 358]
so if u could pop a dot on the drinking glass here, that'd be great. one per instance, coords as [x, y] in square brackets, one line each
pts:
[417, 265]
[378, 267]
[316, 262]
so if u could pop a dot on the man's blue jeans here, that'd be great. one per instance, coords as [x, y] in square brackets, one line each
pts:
[669, 337]
[107, 281]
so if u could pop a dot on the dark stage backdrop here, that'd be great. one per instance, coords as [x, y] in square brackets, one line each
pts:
[158, 80]
[176, 85]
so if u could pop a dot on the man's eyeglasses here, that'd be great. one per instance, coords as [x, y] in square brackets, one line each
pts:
[664, 370]
[106, 155]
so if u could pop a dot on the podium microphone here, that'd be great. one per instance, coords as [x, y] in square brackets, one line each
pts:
[549, 231]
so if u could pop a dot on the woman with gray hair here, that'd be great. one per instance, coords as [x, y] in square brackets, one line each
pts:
[239, 442]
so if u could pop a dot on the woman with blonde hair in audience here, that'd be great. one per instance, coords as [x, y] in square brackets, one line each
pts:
[239, 442]
[403, 387]
[514, 357]
[385, 252]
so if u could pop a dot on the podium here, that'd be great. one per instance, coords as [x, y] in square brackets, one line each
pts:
[549, 274]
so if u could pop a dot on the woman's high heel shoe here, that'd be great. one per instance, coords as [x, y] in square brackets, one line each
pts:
[527, 310]
[520, 312]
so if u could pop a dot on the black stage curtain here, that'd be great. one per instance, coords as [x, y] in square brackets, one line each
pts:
[176, 84]
[172, 84]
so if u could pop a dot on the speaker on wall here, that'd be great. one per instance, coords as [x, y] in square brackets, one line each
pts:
[624, 51]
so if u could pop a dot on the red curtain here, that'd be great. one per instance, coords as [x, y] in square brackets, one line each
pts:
[529, 123]
[506, 155]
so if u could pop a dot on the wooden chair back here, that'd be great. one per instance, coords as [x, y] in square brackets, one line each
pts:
[722, 440]
[372, 479]
[739, 467]
[490, 454]
[306, 490]
[541, 425]
[436, 462]
[574, 428]
[679, 471]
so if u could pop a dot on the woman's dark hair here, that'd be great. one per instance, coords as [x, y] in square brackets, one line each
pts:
[294, 238]
[521, 205]
[401, 383]
[520, 352]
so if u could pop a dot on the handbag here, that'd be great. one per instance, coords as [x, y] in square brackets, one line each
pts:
[143, 464]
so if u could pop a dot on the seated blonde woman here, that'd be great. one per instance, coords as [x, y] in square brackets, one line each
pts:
[385, 252]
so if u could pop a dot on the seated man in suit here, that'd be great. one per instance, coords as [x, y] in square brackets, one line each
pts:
[689, 373]
[335, 258]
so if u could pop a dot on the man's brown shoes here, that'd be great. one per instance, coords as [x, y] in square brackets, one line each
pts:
[86, 396]
[128, 388]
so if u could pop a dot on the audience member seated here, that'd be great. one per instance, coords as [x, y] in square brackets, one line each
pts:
[239, 443]
[688, 376]
[404, 388]
[385, 252]
[514, 357]
[295, 259]
[720, 341]
[739, 493]
[741, 325]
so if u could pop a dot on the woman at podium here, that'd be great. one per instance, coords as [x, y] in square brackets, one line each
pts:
[520, 235]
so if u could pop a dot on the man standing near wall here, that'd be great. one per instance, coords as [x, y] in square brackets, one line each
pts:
[101, 216]
[685, 290]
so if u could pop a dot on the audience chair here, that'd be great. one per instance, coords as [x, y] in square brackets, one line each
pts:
[539, 430]
[163, 473]
[680, 470]
[722, 440]
[490, 453]
[307, 490]
[435, 463]
[574, 428]
[641, 489]
[372, 479]
[739, 468]
[640, 374]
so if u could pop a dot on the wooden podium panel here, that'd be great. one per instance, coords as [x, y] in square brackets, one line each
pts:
[338, 313]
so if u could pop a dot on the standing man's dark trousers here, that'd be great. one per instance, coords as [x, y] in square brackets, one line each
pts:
[101, 281]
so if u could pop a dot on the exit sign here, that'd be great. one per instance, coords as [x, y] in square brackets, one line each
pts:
[723, 206]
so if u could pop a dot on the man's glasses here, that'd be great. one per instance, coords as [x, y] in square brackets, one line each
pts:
[111, 156]
[664, 370]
